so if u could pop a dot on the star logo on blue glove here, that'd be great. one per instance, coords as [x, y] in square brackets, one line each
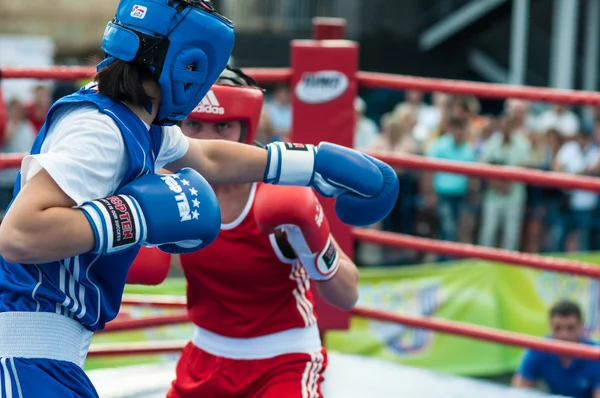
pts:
[193, 191]
[196, 203]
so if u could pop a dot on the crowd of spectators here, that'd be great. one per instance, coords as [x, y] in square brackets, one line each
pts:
[488, 212]
[447, 206]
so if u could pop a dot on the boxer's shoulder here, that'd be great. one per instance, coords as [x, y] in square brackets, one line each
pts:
[82, 114]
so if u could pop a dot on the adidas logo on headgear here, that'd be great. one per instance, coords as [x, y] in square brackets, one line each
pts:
[210, 104]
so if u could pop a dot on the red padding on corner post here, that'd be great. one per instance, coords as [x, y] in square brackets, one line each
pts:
[150, 267]
[324, 88]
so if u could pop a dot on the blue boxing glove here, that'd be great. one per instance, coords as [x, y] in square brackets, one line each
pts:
[179, 213]
[365, 188]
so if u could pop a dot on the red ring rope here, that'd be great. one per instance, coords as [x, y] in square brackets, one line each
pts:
[132, 324]
[522, 174]
[439, 325]
[483, 90]
[365, 79]
[484, 333]
[143, 348]
[261, 75]
[11, 160]
[469, 250]
[155, 300]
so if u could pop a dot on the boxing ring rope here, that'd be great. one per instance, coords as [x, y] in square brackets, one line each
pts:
[483, 90]
[261, 75]
[419, 322]
[485, 253]
[365, 79]
[368, 79]
[482, 170]
[157, 301]
[133, 324]
[11, 160]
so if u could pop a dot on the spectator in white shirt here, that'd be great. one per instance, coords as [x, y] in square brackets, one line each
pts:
[520, 111]
[430, 117]
[504, 201]
[365, 130]
[576, 157]
[561, 119]
[396, 135]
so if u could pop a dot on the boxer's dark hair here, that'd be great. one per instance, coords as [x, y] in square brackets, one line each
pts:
[122, 81]
[565, 308]
[235, 77]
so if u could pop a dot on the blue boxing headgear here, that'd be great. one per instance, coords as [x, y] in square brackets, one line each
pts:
[185, 43]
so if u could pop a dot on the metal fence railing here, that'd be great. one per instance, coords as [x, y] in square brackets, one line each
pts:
[296, 15]
[276, 15]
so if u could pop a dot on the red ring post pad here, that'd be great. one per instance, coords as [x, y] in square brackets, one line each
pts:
[323, 90]
[325, 28]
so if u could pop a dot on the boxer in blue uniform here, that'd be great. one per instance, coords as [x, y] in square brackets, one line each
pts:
[87, 196]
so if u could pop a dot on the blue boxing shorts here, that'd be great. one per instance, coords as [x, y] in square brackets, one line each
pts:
[42, 355]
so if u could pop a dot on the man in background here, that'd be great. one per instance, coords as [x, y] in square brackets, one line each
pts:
[572, 377]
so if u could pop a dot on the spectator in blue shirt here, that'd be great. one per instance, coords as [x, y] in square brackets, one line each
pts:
[451, 189]
[572, 377]
[279, 110]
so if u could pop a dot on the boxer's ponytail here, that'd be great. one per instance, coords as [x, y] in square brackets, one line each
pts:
[122, 81]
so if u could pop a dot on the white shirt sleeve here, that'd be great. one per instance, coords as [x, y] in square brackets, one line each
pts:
[563, 154]
[174, 146]
[83, 152]
[571, 157]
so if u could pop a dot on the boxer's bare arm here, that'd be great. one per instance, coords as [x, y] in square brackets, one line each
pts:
[42, 225]
[341, 290]
[223, 162]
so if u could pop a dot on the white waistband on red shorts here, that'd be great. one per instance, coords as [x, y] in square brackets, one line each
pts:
[43, 335]
[298, 340]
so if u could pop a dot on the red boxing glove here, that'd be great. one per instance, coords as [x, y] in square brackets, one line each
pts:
[297, 211]
[150, 267]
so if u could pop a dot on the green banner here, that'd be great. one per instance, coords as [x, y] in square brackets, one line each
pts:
[494, 295]
[499, 296]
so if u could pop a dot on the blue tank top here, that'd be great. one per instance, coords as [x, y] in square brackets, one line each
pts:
[88, 287]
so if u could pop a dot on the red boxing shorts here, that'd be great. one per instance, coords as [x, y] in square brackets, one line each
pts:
[200, 374]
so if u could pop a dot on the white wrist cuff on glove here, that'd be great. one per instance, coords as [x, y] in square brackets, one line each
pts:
[117, 222]
[320, 266]
[290, 164]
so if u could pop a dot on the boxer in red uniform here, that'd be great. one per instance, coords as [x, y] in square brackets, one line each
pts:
[249, 292]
